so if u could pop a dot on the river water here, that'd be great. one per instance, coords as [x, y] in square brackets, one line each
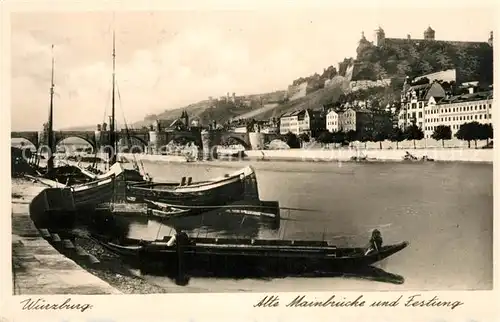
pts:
[445, 211]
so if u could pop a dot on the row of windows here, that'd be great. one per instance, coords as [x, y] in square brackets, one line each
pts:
[433, 127]
[457, 118]
[461, 118]
[413, 115]
[460, 109]
[414, 105]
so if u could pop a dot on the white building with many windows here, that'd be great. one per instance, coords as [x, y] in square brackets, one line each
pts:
[333, 121]
[289, 122]
[457, 110]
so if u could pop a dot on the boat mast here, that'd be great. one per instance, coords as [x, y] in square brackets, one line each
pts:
[112, 156]
[50, 131]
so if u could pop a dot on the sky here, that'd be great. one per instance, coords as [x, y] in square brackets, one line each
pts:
[168, 59]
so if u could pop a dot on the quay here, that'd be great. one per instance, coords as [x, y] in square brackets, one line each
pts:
[37, 267]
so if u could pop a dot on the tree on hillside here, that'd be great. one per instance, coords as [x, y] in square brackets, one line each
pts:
[396, 135]
[442, 132]
[329, 73]
[413, 132]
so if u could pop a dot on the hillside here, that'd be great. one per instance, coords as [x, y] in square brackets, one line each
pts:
[398, 58]
[221, 112]
[393, 59]
[314, 100]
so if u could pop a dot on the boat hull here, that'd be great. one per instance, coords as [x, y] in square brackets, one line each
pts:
[275, 256]
[200, 196]
[93, 193]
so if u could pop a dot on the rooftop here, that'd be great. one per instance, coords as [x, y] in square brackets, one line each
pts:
[467, 97]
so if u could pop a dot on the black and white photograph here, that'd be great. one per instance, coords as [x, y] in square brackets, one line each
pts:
[314, 149]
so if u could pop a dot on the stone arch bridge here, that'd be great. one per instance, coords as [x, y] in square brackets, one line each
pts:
[98, 139]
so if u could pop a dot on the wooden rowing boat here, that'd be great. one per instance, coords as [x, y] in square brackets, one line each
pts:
[241, 185]
[93, 193]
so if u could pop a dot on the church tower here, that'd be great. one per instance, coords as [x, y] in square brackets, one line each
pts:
[429, 34]
[379, 36]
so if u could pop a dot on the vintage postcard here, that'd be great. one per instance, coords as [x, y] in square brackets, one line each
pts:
[270, 161]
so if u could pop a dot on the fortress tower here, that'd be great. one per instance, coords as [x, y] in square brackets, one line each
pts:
[429, 34]
[379, 36]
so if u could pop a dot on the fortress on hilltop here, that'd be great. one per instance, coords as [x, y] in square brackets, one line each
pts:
[385, 58]
[429, 35]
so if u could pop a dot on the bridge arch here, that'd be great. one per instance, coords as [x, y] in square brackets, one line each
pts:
[133, 144]
[24, 143]
[31, 137]
[61, 139]
[182, 138]
[238, 140]
[140, 139]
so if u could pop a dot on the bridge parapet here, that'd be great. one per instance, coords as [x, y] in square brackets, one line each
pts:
[149, 138]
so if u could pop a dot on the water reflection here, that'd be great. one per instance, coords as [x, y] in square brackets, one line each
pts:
[371, 273]
[218, 223]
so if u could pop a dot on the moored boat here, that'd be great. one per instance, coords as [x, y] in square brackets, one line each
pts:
[165, 211]
[231, 151]
[207, 253]
[93, 193]
[240, 185]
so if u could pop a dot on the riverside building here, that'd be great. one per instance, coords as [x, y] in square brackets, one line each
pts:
[456, 110]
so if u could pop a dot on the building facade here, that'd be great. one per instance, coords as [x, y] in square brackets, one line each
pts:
[289, 122]
[362, 120]
[457, 110]
[413, 102]
[304, 121]
[333, 121]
